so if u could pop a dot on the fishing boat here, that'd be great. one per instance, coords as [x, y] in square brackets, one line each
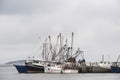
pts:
[36, 66]
[115, 68]
[101, 67]
[69, 68]
[53, 67]
[33, 66]
[59, 52]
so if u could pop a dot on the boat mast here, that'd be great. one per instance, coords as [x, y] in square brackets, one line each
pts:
[45, 49]
[102, 58]
[60, 47]
[43, 52]
[72, 43]
[57, 43]
[60, 41]
[118, 58]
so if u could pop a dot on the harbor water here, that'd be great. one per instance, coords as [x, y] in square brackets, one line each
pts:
[10, 73]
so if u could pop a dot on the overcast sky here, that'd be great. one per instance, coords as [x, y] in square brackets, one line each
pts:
[24, 24]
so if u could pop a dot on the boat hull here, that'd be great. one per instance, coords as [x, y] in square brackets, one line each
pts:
[97, 69]
[70, 71]
[21, 68]
[29, 69]
[115, 69]
[35, 69]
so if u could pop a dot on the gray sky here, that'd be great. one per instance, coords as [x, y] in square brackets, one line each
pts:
[96, 24]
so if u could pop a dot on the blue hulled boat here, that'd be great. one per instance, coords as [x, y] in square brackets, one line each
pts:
[35, 66]
[21, 68]
[115, 69]
[30, 67]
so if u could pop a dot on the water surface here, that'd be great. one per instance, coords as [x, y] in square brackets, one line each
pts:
[10, 73]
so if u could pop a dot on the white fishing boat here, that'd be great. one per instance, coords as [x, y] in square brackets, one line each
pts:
[104, 65]
[69, 68]
[53, 68]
